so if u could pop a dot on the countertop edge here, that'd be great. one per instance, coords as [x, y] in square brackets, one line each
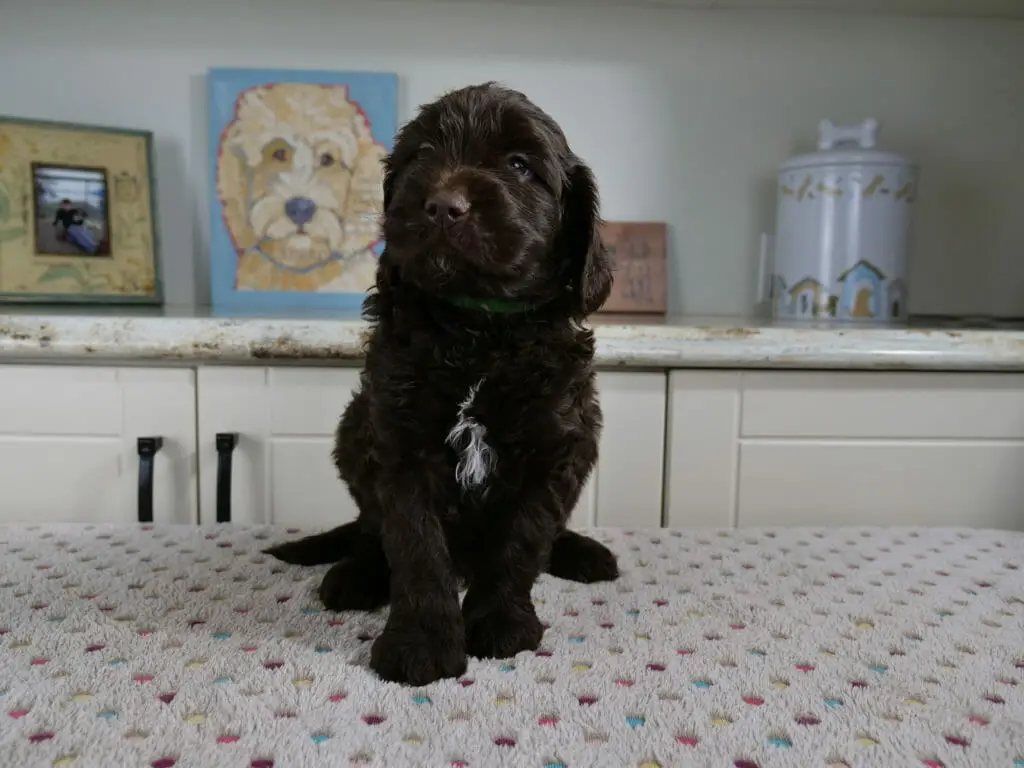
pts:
[199, 340]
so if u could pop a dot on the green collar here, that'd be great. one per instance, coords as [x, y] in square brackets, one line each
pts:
[500, 306]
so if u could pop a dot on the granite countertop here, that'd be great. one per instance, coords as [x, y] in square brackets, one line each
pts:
[196, 335]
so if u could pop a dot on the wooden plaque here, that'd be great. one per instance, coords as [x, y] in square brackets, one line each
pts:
[637, 251]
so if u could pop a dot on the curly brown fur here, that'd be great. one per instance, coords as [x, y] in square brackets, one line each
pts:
[473, 431]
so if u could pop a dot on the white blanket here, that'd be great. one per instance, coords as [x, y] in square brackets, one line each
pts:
[142, 646]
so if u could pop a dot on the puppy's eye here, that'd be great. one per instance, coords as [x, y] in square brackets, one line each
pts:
[518, 164]
[281, 155]
[326, 160]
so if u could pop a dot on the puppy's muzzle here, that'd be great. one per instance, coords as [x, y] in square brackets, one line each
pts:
[447, 206]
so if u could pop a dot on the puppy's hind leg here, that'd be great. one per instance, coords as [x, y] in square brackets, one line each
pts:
[320, 548]
[352, 446]
[579, 558]
[575, 557]
[360, 582]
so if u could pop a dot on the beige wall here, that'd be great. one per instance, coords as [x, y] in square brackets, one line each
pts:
[683, 114]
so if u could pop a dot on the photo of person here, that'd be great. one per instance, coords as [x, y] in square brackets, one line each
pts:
[71, 211]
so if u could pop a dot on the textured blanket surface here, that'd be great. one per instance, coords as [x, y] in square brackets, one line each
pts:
[143, 646]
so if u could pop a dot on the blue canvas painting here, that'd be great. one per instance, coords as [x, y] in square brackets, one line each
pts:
[296, 186]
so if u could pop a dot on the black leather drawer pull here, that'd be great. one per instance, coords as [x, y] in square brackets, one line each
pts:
[148, 447]
[226, 442]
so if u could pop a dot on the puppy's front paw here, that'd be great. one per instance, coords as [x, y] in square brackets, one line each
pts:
[419, 654]
[503, 632]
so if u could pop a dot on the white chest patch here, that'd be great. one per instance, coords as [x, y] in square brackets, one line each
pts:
[476, 458]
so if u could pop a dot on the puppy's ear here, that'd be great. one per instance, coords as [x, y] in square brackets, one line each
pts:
[389, 181]
[380, 299]
[590, 273]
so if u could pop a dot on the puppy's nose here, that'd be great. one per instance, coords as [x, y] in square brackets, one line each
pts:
[446, 206]
[300, 210]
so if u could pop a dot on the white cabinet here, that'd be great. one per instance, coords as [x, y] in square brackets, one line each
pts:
[285, 419]
[68, 443]
[697, 448]
[851, 448]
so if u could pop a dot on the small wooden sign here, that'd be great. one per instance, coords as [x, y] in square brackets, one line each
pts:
[637, 251]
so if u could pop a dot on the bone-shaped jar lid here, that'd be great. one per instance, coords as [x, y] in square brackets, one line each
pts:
[847, 145]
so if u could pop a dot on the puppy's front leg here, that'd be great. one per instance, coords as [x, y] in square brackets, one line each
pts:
[498, 610]
[424, 639]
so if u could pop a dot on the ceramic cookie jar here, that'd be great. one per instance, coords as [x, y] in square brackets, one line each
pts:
[843, 230]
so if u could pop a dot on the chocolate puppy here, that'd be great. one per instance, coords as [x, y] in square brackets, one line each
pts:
[476, 422]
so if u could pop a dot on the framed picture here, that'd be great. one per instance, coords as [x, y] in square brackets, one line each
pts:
[297, 186]
[637, 251]
[77, 214]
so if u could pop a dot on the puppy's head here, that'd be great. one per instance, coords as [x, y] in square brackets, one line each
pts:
[484, 198]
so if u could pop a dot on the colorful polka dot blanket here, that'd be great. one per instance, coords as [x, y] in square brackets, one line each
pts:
[181, 647]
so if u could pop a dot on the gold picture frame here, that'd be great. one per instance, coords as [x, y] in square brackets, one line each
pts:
[77, 214]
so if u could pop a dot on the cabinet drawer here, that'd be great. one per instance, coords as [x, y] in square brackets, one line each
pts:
[883, 405]
[878, 483]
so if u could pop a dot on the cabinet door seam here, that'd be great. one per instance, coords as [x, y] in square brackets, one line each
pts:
[737, 455]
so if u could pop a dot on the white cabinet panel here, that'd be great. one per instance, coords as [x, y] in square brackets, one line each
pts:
[883, 405]
[882, 483]
[60, 400]
[585, 513]
[304, 485]
[308, 401]
[61, 478]
[630, 467]
[68, 443]
[703, 450]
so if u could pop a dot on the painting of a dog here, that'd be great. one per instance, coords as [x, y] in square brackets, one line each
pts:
[298, 185]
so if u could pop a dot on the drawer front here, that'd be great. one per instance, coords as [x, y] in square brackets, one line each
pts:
[882, 405]
[891, 484]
